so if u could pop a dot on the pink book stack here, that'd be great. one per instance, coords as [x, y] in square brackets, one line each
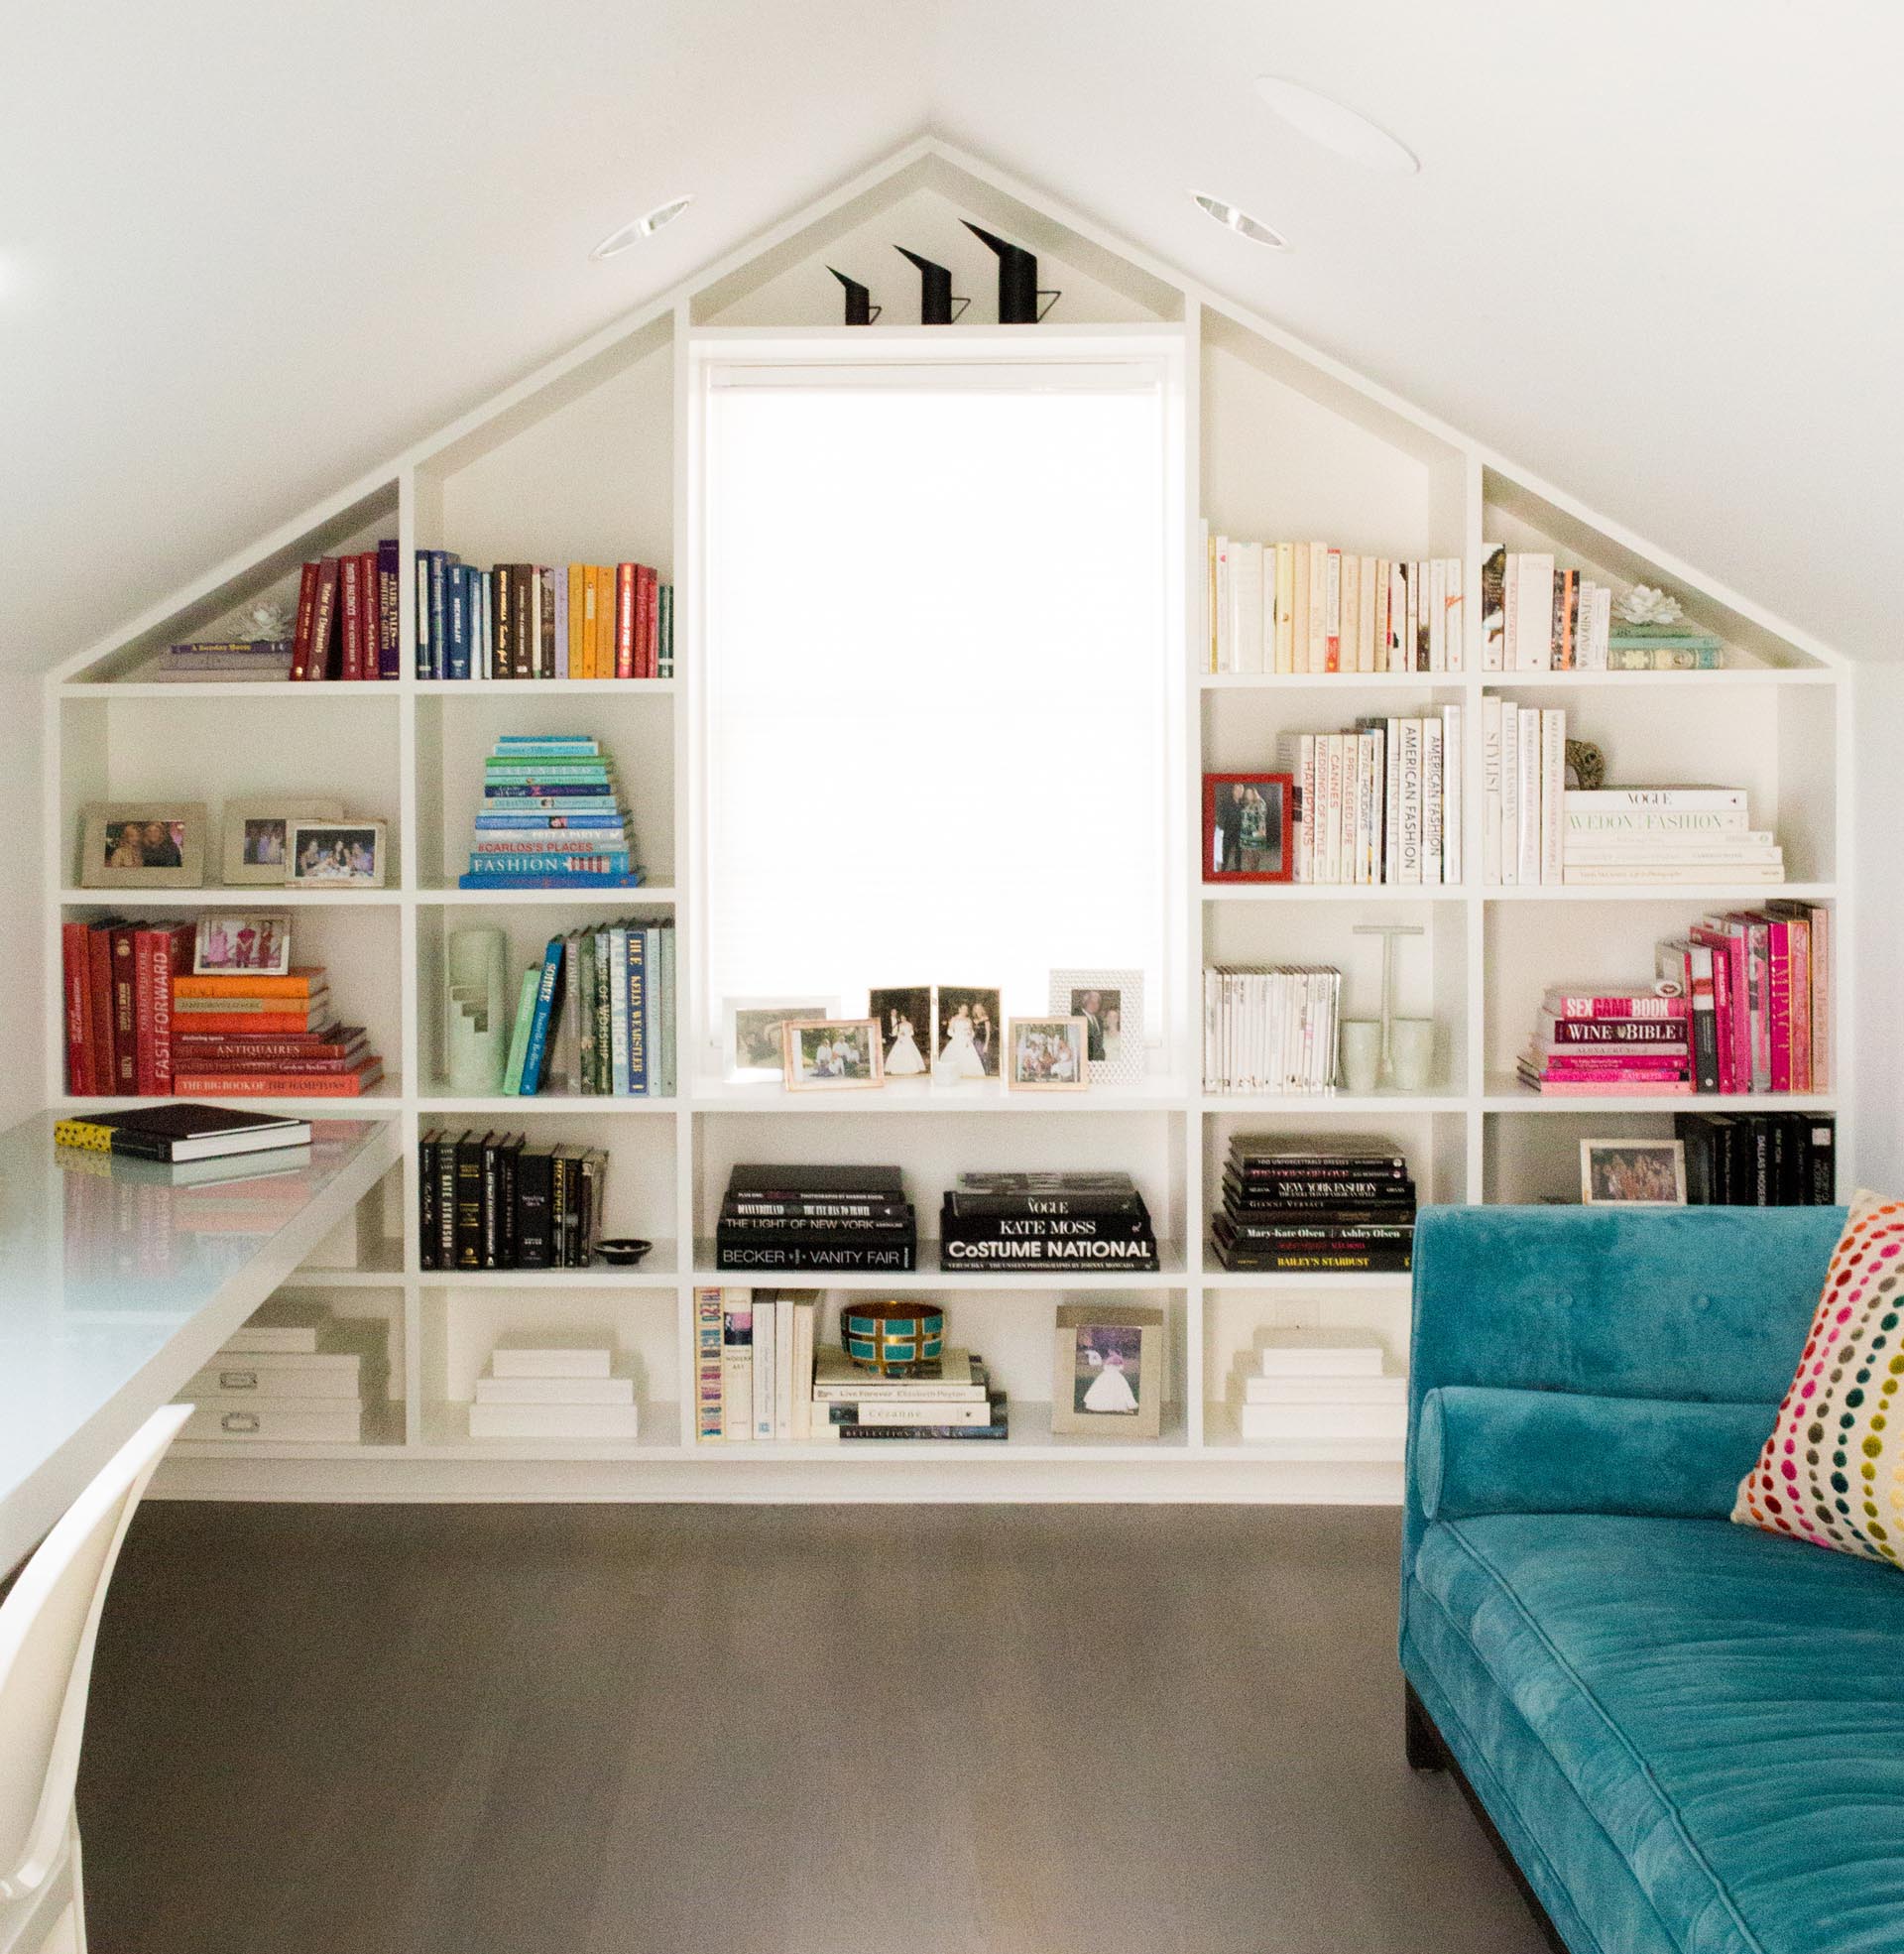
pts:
[1603, 1041]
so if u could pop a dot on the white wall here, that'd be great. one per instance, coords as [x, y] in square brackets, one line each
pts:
[21, 1021]
[1877, 1044]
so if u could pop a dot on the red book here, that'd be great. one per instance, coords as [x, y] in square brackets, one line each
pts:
[261, 1022]
[1729, 934]
[125, 1023]
[160, 950]
[209, 1067]
[350, 589]
[307, 615]
[76, 964]
[324, 623]
[1779, 957]
[200, 1051]
[646, 586]
[279, 1085]
[1799, 936]
[624, 620]
[99, 991]
[369, 590]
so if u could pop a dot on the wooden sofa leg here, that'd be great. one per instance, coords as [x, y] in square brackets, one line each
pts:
[1420, 1738]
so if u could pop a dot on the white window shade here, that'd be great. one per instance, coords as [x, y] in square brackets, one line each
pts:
[937, 675]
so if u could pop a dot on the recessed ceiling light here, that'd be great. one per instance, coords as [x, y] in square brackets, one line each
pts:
[646, 226]
[1336, 127]
[1239, 221]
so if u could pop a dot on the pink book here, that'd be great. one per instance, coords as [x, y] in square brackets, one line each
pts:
[1614, 1004]
[1779, 1017]
[1798, 935]
[1630, 1072]
[1820, 1000]
[1608, 1088]
[1726, 1005]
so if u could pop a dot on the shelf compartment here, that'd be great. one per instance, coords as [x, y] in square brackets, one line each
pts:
[919, 1096]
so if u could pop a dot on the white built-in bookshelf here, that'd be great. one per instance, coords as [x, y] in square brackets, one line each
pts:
[592, 456]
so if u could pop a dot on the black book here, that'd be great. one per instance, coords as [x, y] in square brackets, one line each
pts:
[1309, 1156]
[426, 1237]
[1317, 1262]
[1137, 1251]
[825, 1181]
[1134, 1226]
[775, 1227]
[1004, 1193]
[565, 1212]
[1705, 1051]
[183, 1131]
[1279, 1189]
[508, 1189]
[1334, 1214]
[1702, 1135]
[897, 1258]
[860, 1208]
[1821, 1158]
[1761, 1162]
[535, 1192]
[469, 1201]
[446, 1200]
[492, 1229]
[1281, 1232]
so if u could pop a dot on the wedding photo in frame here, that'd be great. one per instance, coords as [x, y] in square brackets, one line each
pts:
[1108, 1370]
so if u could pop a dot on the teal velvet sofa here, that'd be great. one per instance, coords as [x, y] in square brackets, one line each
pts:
[1689, 1736]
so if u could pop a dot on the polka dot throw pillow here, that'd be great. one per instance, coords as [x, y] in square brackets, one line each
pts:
[1833, 1469]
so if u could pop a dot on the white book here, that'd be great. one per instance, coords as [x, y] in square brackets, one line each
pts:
[1207, 588]
[1410, 800]
[1332, 613]
[1457, 618]
[1603, 632]
[555, 1422]
[897, 1411]
[1491, 728]
[1438, 614]
[1367, 839]
[1453, 793]
[285, 1323]
[1333, 847]
[1658, 801]
[804, 1312]
[1510, 611]
[1285, 607]
[1392, 802]
[1431, 798]
[1377, 786]
[1246, 597]
[1527, 797]
[280, 1374]
[1669, 848]
[1351, 567]
[549, 1361]
[1321, 1354]
[1224, 651]
[1509, 793]
[783, 1367]
[736, 1386]
[1366, 570]
[1411, 658]
[1305, 772]
[1553, 783]
[1319, 1393]
[761, 1382]
[1295, 1421]
[1318, 660]
[1534, 611]
[264, 1420]
[1397, 618]
[1668, 875]
[555, 1390]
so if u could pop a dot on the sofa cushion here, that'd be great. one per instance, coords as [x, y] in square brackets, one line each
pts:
[1482, 1450]
[1833, 1469]
[1729, 1707]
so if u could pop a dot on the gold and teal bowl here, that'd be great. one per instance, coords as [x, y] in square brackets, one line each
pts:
[892, 1339]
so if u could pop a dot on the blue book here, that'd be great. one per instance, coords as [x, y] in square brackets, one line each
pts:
[583, 743]
[665, 934]
[457, 622]
[537, 1050]
[543, 791]
[539, 817]
[439, 563]
[565, 878]
[549, 861]
[637, 1012]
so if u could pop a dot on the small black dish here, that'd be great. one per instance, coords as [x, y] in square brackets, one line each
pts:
[625, 1252]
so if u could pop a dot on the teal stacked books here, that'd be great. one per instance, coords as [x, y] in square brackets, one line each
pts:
[552, 817]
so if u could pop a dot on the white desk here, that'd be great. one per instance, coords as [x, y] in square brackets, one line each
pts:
[119, 1279]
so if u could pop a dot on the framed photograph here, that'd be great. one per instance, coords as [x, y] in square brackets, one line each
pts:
[831, 1054]
[752, 1045]
[1249, 827]
[1635, 1173]
[903, 1014]
[1111, 1003]
[242, 943]
[143, 844]
[1046, 1054]
[1108, 1370]
[336, 854]
[257, 837]
[969, 1031]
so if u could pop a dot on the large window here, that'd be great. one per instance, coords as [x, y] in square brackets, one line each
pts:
[940, 661]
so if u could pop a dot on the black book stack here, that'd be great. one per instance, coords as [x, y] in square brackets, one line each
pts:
[1013, 1221]
[1302, 1204]
[1759, 1160]
[816, 1218]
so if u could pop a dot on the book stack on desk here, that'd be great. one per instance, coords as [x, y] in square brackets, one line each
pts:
[553, 1392]
[293, 1372]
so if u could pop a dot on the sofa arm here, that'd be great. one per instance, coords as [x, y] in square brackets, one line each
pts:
[1481, 1450]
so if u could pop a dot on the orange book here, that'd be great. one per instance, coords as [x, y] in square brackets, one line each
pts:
[576, 574]
[299, 984]
[603, 615]
[585, 669]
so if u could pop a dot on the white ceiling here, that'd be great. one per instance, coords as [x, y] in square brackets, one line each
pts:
[248, 252]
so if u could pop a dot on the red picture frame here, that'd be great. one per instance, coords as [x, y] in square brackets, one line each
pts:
[1228, 822]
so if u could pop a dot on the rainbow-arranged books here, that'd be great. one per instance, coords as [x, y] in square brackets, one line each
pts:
[552, 817]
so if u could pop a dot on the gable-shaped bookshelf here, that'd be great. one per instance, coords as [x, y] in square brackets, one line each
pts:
[592, 458]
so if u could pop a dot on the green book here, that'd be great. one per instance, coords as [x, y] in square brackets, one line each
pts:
[519, 1038]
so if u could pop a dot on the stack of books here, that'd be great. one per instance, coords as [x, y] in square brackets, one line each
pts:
[1342, 1204]
[531, 621]
[1323, 1387]
[1030, 1221]
[247, 660]
[1759, 1160]
[553, 1392]
[292, 1372]
[1661, 835]
[596, 1016]
[491, 1200]
[1270, 1028]
[1662, 647]
[1605, 1039]
[951, 1397]
[761, 1364]
[257, 1036]
[1381, 804]
[824, 1216]
[552, 817]
[1307, 608]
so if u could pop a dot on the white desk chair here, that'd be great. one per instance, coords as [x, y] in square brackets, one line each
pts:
[48, 1627]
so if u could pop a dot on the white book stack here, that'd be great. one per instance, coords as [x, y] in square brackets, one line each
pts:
[1663, 836]
[553, 1391]
[1271, 1030]
[292, 1373]
[1380, 803]
[1323, 1385]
